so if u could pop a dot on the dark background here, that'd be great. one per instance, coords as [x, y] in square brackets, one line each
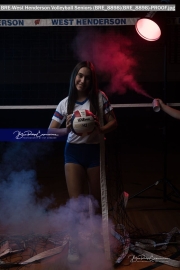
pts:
[35, 67]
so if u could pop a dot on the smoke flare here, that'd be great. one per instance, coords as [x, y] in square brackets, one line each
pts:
[112, 56]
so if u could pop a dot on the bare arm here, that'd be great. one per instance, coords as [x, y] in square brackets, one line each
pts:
[54, 128]
[111, 123]
[169, 110]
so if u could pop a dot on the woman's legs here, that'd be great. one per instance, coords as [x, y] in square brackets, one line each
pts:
[75, 175]
[95, 191]
[94, 184]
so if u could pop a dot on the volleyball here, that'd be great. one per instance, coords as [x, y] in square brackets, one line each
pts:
[82, 122]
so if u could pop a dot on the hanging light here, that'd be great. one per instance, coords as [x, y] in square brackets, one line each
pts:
[148, 28]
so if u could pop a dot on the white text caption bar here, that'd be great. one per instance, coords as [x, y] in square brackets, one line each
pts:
[150, 7]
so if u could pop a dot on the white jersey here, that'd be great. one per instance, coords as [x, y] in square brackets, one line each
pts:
[61, 113]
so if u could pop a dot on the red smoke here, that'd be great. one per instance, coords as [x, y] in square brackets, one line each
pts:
[112, 56]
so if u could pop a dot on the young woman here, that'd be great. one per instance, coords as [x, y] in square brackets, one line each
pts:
[82, 153]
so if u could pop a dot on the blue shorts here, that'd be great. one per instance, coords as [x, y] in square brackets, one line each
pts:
[87, 155]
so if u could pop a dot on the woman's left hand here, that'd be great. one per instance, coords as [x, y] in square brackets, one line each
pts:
[97, 124]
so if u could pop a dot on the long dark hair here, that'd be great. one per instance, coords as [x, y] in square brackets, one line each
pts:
[92, 91]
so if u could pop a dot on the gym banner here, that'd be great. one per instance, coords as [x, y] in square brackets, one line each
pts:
[67, 22]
